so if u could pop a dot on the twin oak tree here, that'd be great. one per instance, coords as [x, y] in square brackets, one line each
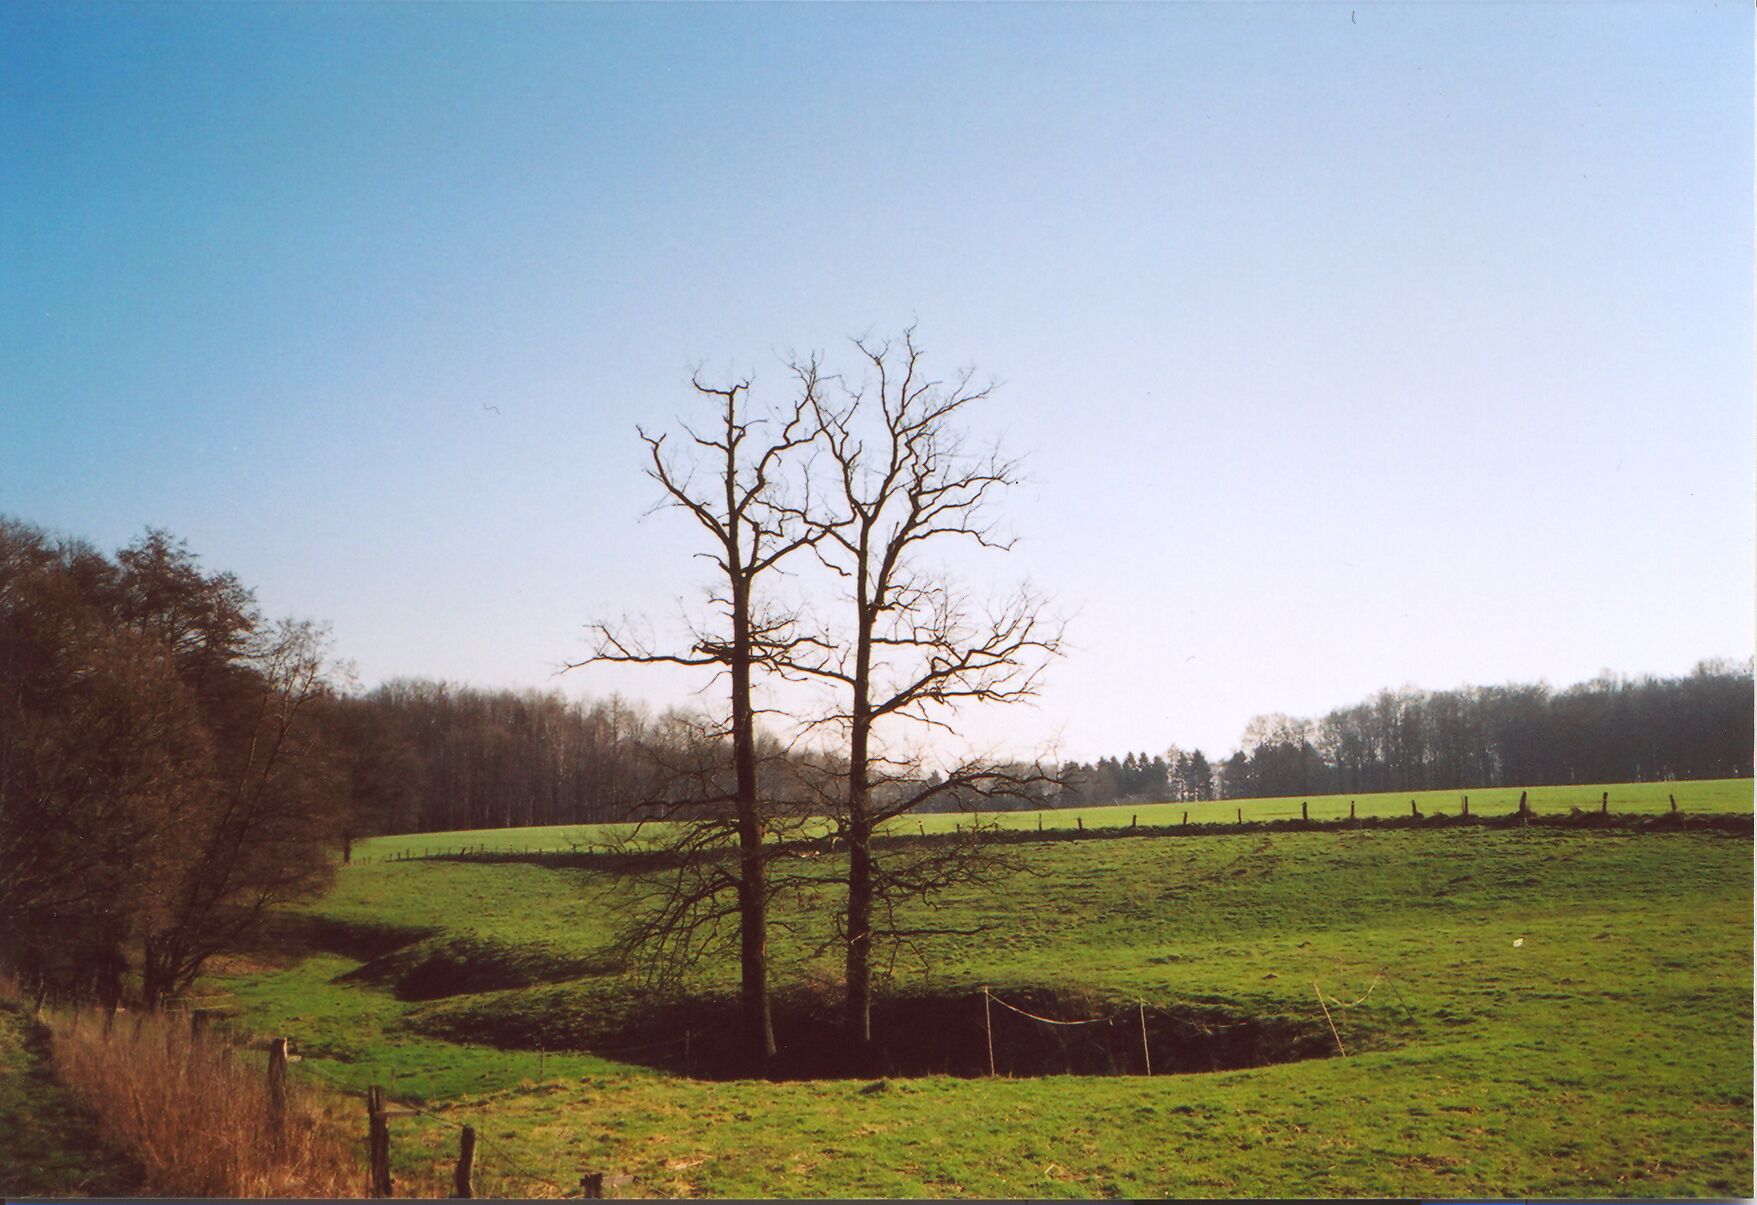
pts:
[858, 480]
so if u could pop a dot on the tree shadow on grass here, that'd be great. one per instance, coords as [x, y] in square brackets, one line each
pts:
[49, 1143]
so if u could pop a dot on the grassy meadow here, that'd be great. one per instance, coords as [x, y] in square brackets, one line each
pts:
[1718, 796]
[1526, 1012]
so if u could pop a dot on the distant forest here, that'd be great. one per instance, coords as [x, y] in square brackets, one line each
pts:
[429, 756]
[1611, 729]
[419, 755]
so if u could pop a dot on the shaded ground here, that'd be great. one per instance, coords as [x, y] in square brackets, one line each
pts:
[1027, 1032]
[49, 1145]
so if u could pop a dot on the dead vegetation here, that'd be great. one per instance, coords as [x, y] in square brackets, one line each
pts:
[195, 1112]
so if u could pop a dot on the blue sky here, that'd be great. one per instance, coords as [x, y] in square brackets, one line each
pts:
[1350, 345]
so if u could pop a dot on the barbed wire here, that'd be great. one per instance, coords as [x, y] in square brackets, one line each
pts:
[1048, 1020]
[1377, 979]
[1207, 1027]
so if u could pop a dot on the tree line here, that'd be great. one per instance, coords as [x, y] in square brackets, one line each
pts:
[431, 756]
[1611, 729]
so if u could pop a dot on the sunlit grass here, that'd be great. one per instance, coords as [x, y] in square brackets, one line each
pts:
[1641, 798]
[1607, 1053]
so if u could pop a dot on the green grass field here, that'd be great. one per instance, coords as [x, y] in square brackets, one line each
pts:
[1642, 798]
[49, 1145]
[1545, 1013]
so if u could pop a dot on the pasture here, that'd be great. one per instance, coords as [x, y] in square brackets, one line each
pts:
[1524, 1013]
[1714, 797]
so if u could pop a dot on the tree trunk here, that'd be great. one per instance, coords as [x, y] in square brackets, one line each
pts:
[858, 1007]
[753, 900]
[857, 1015]
[152, 976]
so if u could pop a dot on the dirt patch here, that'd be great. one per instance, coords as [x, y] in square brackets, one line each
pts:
[451, 966]
[298, 934]
[921, 1034]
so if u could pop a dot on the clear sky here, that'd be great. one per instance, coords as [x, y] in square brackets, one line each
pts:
[1352, 345]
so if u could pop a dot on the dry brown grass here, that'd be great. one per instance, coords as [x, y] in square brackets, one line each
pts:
[195, 1112]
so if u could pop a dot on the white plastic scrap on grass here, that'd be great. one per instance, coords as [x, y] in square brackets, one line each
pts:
[1518, 941]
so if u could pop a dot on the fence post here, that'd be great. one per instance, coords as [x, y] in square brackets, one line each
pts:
[460, 1178]
[1524, 810]
[377, 1144]
[1351, 809]
[1604, 804]
[1146, 1054]
[1186, 818]
[1465, 810]
[1241, 814]
[988, 1025]
[1135, 820]
[1674, 800]
[277, 1087]
[1303, 813]
[1412, 808]
[592, 1186]
[1081, 821]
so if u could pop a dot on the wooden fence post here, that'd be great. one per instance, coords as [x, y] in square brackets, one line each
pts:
[377, 1144]
[1303, 813]
[1604, 804]
[1351, 809]
[988, 1025]
[1524, 810]
[1674, 800]
[1186, 819]
[1146, 1054]
[1465, 809]
[1081, 822]
[592, 1186]
[460, 1178]
[1412, 808]
[1135, 820]
[1241, 814]
[277, 1088]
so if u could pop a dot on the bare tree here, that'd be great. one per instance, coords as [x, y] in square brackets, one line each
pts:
[914, 649]
[262, 837]
[732, 483]
[161, 781]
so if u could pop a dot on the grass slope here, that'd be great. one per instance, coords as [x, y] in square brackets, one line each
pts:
[1608, 1053]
